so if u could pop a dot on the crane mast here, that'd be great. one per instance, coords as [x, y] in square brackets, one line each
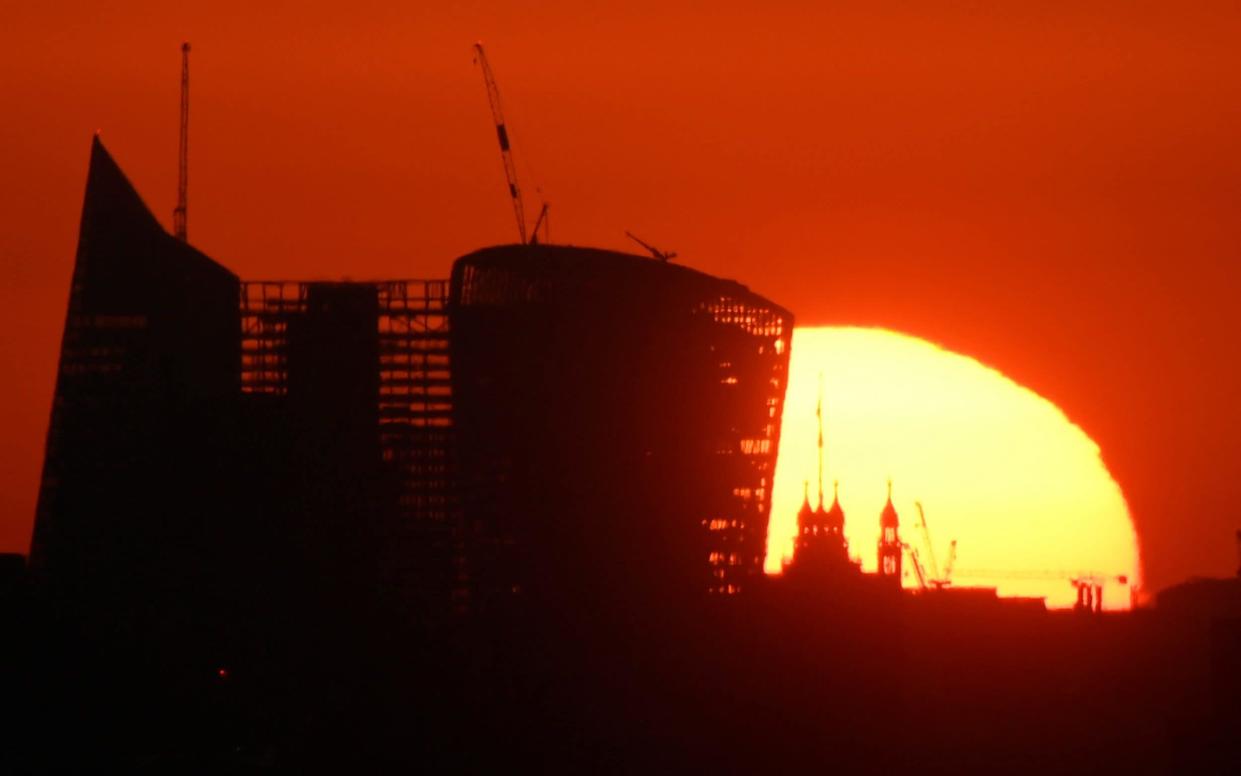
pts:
[926, 537]
[183, 167]
[950, 563]
[919, 572]
[506, 153]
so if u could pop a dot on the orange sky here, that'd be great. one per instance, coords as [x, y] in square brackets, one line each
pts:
[1051, 193]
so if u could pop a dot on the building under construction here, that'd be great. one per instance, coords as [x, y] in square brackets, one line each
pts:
[614, 413]
[549, 422]
[514, 516]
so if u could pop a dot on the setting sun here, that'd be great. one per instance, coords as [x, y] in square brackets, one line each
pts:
[996, 467]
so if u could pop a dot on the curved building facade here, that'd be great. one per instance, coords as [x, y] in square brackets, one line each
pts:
[617, 423]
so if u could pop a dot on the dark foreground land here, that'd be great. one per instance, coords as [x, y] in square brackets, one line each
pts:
[762, 683]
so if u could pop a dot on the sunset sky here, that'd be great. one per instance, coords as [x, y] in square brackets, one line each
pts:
[1052, 193]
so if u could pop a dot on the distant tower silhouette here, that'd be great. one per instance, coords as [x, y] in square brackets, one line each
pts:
[818, 414]
[890, 540]
[820, 546]
[805, 515]
[834, 519]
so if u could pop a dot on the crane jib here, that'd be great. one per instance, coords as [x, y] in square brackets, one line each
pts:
[510, 170]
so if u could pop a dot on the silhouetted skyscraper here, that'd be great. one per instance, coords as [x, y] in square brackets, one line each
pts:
[239, 449]
[618, 421]
[293, 447]
[137, 471]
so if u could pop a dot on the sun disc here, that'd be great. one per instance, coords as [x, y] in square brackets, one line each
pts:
[996, 467]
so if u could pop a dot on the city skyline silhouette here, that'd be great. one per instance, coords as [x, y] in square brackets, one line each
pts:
[319, 462]
[509, 519]
[916, 189]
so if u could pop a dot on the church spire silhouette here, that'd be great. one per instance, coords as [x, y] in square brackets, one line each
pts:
[818, 412]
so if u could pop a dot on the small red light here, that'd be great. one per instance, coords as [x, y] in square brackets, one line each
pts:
[222, 673]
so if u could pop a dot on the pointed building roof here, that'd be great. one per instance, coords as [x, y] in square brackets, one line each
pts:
[110, 197]
[127, 265]
[805, 513]
[122, 248]
[835, 517]
[889, 518]
[151, 342]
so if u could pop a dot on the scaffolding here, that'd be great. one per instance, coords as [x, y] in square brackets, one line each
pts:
[414, 401]
[751, 336]
[415, 393]
[266, 309]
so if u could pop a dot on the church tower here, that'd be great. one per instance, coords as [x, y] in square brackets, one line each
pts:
[890, 541]
[820, 547]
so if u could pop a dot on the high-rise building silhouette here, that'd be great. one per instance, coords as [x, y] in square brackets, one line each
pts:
[617, 421]
[554, 420]
[136, 491]
[457, 524]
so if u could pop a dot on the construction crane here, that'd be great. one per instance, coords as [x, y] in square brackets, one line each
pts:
[183, 166]
[951, 562]
[936, 579]
[655, 252]
[926, 538]
[919, 572]
[506, 152]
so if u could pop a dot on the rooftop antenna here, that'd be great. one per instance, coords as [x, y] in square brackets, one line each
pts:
[183, 171]
[655, 252]
[506, 153]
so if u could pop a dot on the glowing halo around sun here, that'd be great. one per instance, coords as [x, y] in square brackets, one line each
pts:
[996, 466]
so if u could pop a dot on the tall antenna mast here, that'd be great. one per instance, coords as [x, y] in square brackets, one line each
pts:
[183, 171]
[506, 153]
[818, 411]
